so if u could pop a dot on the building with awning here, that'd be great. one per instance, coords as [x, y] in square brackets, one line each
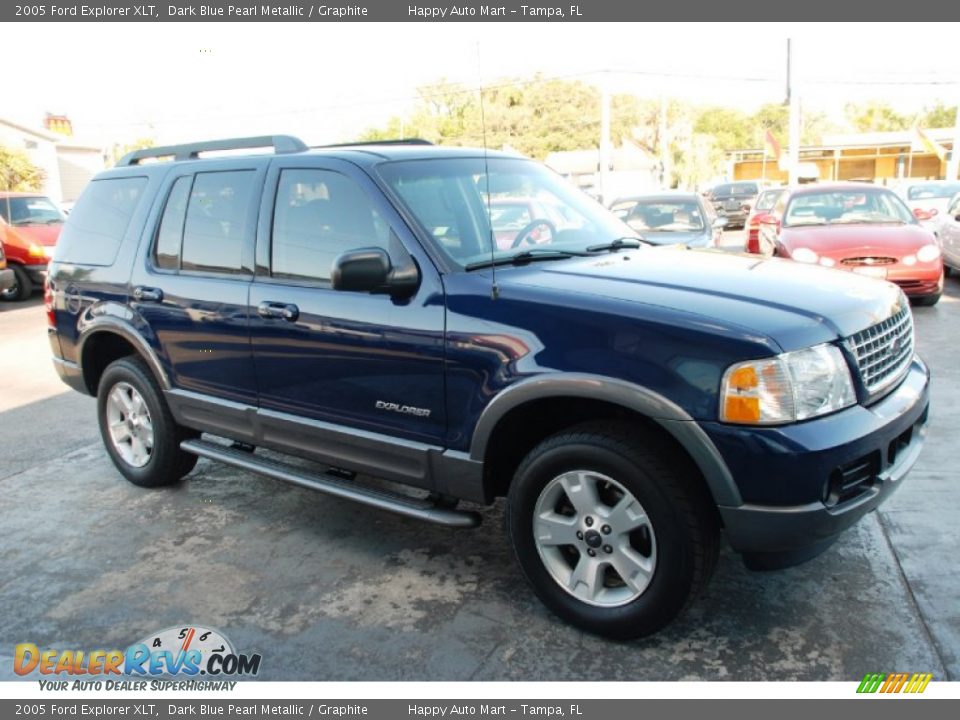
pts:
[884, 158]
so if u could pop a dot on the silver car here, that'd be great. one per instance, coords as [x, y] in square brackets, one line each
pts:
[949, 233]
[928, 200]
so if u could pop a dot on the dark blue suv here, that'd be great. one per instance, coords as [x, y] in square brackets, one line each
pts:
[468, 326]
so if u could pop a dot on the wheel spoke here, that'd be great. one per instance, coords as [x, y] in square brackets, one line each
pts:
[139, 451]
[119, 431]
[554, 529]
[634, 569]
[586, 580]
[581, 489]
[121, 400]
[627, 515]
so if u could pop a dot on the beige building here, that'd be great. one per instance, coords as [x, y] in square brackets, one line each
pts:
[880, 157]
[67, 163]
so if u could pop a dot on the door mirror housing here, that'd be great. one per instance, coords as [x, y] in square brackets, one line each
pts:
[370, 270]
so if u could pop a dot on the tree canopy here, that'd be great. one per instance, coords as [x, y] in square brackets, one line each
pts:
[18, 173]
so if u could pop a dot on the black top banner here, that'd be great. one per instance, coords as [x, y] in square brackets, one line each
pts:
[426, 11]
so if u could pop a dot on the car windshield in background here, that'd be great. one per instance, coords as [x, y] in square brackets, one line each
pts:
[839, 207]
[928, 191]
[736, 190]
[768, 199]
[530, 207]
[34, 210]
[665, 216]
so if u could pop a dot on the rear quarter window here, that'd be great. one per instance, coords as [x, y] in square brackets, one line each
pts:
[95, 228]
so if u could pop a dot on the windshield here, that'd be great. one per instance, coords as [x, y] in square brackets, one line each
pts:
[853, 206]
[530, 207]
[653, 216]
[33, 210]
[768, 199]
[928, 191]
[735, 190]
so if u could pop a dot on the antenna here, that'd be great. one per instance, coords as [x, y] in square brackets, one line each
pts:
[494, 289]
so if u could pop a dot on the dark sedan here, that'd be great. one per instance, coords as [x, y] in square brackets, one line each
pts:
[734, 200]
[683, 218]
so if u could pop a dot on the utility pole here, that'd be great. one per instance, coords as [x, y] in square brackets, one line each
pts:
[604, 140]
[954, 163]
[665, 171]
[793, 100]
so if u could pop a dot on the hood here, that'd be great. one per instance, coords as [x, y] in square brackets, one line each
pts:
[793, 304]
[699, 237]
[46, 235]
[844, 240]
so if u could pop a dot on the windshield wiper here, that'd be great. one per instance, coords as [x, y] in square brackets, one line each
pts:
[618, 244]
[525, 256]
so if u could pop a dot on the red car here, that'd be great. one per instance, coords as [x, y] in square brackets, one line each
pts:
[760, 210]
[860, 228]
[29, 227]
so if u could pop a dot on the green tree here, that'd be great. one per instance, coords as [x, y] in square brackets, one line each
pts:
[938, 116]
[18, 173]
[876, 116]
[121, 149]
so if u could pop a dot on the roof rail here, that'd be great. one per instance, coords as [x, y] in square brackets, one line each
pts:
[401, 141]
[281, 144]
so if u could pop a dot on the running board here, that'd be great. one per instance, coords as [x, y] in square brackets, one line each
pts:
[332, 485]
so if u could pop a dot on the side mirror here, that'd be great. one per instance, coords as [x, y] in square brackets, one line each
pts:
[369, 270]
[720, 223]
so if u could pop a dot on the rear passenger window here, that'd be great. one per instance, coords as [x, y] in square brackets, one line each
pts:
[166, 253]
[95, 228]
[320, 214]
[215, 229]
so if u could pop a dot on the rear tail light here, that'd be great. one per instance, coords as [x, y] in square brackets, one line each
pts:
[48, 303]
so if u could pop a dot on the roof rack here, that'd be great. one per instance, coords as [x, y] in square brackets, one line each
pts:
[281, 144]
[402, 141]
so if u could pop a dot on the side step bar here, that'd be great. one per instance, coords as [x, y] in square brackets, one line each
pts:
[332, 485]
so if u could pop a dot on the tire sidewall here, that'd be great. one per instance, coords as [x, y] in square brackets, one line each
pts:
[150, 475]
[672, 579]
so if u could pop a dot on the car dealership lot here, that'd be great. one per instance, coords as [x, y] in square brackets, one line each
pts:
[327, 590]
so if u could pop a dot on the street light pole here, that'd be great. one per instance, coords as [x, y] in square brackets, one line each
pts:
[794, 126]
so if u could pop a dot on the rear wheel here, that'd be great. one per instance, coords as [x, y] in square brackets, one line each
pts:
[22, 287]
[614, 535]
[139, 432]
[927, 300]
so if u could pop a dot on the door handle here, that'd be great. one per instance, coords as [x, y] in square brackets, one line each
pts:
[147, 294]
[278, 311]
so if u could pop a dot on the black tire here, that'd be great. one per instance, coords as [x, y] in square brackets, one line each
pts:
[167, 462]
[927, 300]
[22, 287]
[666, 484]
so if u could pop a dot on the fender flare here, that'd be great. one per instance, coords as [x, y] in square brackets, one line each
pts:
[667, 414]
[116, 326]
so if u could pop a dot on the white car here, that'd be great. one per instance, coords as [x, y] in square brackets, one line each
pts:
[928, 200]
[949, 233]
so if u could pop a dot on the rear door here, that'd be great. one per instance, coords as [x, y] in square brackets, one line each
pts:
[354, 359]
[191, 288]
[950, 233]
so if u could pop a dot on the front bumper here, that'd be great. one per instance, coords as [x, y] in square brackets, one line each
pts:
[36, 273]
[7, 279]
[812, 461]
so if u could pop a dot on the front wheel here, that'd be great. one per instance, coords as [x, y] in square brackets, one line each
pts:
[22, 286]
[614, 534]
[139, 432]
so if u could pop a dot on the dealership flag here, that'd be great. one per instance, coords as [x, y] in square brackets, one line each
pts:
[923, 143]
[771, 147]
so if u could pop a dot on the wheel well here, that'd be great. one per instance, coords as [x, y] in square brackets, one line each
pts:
[99, 351]
[524, 427]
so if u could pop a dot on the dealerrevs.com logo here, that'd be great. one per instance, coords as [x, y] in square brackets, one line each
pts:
[184, 651]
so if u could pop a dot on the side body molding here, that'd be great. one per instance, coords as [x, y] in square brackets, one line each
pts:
[670, 416]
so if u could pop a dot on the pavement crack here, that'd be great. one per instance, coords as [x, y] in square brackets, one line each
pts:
[913, 598]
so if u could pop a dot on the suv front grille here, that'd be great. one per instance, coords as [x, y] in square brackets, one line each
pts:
[884, 351]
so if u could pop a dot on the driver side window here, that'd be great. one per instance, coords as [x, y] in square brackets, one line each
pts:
[318, 215]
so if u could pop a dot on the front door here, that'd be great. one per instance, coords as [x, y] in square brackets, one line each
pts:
[361, 360]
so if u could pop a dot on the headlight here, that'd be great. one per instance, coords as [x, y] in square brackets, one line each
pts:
[789, 387]
[928, 253]
[35, 250]
[804, 255]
